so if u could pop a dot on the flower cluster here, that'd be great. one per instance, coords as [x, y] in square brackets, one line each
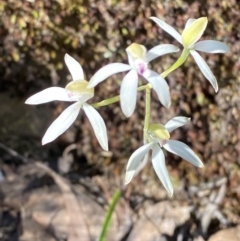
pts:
[156, 136]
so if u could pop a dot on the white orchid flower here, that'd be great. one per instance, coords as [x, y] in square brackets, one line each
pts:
[159, 137]
[138, 59]
[192, 32]
[75, 91]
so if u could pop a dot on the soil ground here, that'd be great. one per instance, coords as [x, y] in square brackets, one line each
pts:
[43, 188]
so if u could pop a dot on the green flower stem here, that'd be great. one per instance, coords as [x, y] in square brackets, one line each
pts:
[108, 101]
[108, 217]
[177, 64]
[147, 114]
[114, 99]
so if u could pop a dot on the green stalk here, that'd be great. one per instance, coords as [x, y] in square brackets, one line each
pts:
[177, 64]
[108, 101]
[115, 99]
[108, 217]
[147, 114]
[146, 126]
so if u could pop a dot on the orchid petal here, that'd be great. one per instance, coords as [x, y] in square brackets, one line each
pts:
[158, 161]
[131, 60]
[160, 50]
[158, 132]
[142, 164]
[193, 32]
[169, 29]
[128, 92]
[137, 51]
[211, 46]
[98, 125]
[107, 71]
[181, 149]
[74, 68]
[160, 85]
[62, 123]
[135, 159]
[49, 94]
[205, 69]
[176, 122]
[189, 21]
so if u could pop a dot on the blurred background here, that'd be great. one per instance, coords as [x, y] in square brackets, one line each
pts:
[34, 37]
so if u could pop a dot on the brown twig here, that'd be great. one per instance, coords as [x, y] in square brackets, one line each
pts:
[13, 153]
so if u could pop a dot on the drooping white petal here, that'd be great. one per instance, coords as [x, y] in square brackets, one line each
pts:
[160, 85]
[62, 123]
[98, 125]
[142, 164]
[49, 94]
[135, 160]
[211, 46]
[176, 122]
[169, 29]
[158, 161]
[189, 21]
[181, 149]
[160, 50]
[74, 67]
[107, 71]
[205, 69]
[128, 92]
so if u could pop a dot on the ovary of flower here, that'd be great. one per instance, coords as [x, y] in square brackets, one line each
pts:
[192, 32]
[138, 59]
[159, 137]
[75, 91]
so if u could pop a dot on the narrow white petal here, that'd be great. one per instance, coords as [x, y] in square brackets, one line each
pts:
[74, 68]
[184, 151]
[160, 85]
[176, 122]
[49, 94]
[211, 46]
[98, 125]
[158, 161]
[107, 71]
[135, 160]
[128, 92]
[130, 60]
[160, 50]
[190, 21]
[142, 164]
[62, 123]
[205, 69]
[169, 29]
